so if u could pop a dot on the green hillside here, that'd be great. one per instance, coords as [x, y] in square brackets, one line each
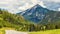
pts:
[13, 21]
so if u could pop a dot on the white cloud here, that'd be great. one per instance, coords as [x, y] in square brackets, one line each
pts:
[15, 5]
[58, 9]
[38, 2]
[34, 1]
[7, 4]
[52, 0]
[42, 4]
[28, 5]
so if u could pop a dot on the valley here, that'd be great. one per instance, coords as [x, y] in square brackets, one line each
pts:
[36, 20]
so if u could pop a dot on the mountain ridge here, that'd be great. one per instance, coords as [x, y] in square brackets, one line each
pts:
[37, 13]
[34, 12]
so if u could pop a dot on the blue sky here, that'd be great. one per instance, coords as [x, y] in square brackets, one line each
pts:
[15, 6]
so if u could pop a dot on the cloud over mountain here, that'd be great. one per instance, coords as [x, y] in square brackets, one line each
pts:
[52, 0]
[15, 6]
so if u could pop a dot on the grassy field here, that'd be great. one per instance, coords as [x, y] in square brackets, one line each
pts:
[2, 30]
[57, 31]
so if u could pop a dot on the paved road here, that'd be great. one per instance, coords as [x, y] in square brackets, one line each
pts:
[14, 32]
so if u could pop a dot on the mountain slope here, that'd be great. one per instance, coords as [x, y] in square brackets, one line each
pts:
[51, 17]
[37, 14]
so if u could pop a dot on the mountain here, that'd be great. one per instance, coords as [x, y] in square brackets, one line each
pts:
[42, 17]
[39, 14]
[35, 14]
[32, 19]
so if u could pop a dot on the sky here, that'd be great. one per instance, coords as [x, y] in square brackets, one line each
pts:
[15, 6]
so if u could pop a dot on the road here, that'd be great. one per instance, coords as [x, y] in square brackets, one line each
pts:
[14, 32]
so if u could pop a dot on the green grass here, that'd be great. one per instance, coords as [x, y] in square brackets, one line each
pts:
[2, 30]
[57, 31]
